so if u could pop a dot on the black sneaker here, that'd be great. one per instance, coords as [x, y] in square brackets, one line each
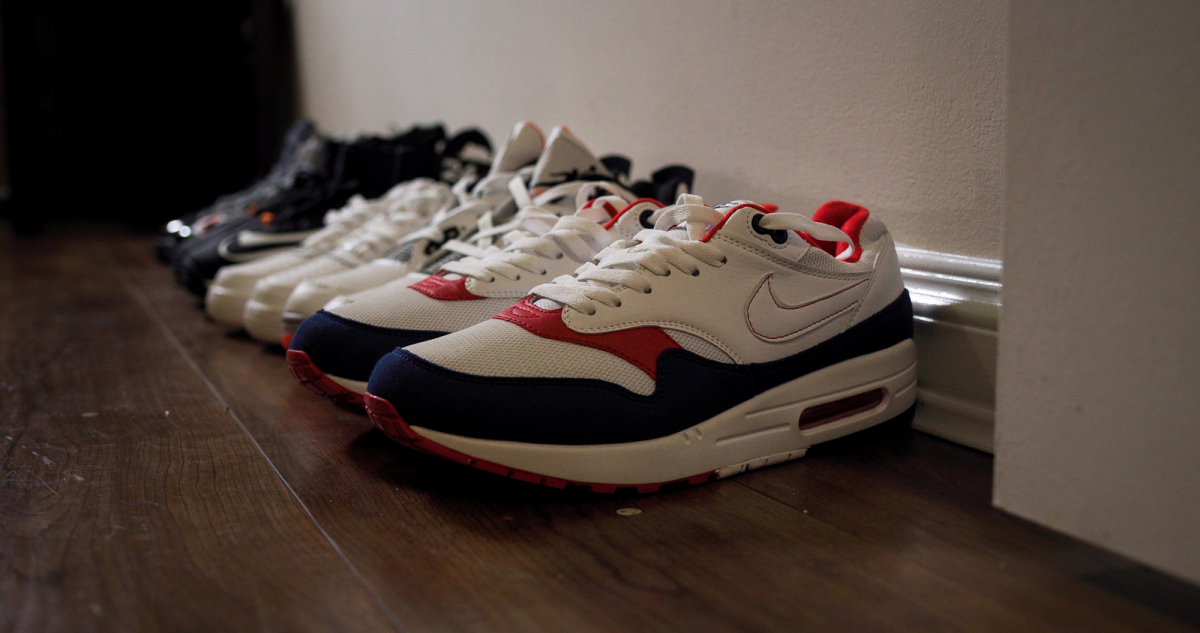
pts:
[368, 167]
[302, 152]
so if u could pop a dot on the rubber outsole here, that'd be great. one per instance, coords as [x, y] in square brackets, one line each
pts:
[317, 382]
[384, 416]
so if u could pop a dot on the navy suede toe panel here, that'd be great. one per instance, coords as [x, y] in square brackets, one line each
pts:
[349, 349]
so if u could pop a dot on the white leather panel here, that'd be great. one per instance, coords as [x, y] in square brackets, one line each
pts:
[714, 305]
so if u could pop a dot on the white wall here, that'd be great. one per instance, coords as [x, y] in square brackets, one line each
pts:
[1098, 418]
[895, 105]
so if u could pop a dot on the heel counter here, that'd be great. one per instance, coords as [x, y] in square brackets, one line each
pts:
[886, 282]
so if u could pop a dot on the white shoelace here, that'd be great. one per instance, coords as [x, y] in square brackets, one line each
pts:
[472, 197]
[654, 252]
[534, 234]
[338, 221]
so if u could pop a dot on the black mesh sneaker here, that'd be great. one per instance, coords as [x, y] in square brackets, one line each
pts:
[302, 152]
[367, 167]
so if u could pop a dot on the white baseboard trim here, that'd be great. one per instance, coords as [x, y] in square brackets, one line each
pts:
[956, 304]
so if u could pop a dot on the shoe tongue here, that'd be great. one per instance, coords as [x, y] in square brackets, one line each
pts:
[523, 147]
[566, 158]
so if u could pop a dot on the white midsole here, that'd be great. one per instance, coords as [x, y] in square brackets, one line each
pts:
[225, 306]
[263, 322]
[760, 431]
[357, 386]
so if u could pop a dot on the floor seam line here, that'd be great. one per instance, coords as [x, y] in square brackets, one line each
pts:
[144, 302]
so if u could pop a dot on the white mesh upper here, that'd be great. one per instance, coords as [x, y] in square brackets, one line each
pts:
[405, 308]
[243, 276]
[369, 275]
[319, 267]
[499, 348]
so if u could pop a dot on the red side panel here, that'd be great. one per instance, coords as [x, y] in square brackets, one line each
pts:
[640, 346]
[444, 289]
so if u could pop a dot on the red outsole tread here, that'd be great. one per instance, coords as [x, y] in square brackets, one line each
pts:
[317, 382]
[384, 416]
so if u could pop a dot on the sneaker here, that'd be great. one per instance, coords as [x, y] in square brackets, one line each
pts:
[489, 196]
[406, 208]
[302, 152]
[367, 167]
[231, 287]
[334, 351]
[719, 342]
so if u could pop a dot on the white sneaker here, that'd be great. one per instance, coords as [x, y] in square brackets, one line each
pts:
[226, 297]
[721, 341]
[401, 214]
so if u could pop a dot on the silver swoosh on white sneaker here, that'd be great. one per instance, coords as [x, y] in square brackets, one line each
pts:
[254, 239]
[245, 256]
[771, 320]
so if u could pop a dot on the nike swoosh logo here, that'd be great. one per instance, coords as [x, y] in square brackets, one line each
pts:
[254, 239]
[771, 320]
[231, 251]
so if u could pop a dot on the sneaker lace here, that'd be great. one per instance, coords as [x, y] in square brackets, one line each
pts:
[655, 252]
[533, 234]
[356, 210]
[404, 209]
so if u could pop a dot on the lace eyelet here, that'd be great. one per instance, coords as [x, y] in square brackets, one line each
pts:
[644, 219]
[779, 236]
[648, 291]
[696, 273]
[668, 273]
[517, 278]
[559, 256]
[544, 272]
[618, 305]
[724, 260]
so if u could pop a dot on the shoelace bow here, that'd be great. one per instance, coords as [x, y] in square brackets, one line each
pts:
[654, 252]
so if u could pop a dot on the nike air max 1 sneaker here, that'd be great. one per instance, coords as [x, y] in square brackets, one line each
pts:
[406, 208]
[721, 341]
[334, 351]
[231, 288]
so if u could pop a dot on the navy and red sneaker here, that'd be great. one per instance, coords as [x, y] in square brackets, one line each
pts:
[334, 351]
[718, 342]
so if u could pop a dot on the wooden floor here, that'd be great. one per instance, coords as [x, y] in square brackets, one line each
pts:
[163, 474]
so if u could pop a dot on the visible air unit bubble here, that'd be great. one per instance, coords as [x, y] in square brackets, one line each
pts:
[841, 409]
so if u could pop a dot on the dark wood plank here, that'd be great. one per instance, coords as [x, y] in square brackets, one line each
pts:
[893, 487]
[130, 499]
[793, 547]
